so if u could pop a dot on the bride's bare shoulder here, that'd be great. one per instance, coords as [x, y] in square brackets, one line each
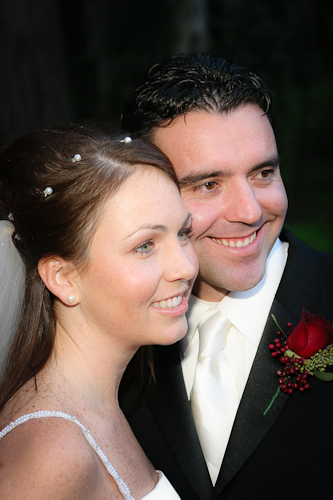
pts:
[46, 458]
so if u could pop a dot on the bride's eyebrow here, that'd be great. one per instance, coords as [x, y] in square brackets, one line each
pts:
[186, 220]
[154, 227]
[158, 227]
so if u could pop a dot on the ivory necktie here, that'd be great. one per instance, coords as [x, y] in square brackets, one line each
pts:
[214, 396]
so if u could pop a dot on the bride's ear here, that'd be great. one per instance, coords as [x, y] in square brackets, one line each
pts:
[60, 278]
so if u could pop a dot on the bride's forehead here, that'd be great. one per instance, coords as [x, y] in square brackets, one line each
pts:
[151, 198]
[145, 184]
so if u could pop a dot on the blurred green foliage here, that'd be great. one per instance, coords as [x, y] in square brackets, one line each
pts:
[316, 234]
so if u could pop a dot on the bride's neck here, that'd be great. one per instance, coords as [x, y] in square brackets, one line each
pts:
[90, 370]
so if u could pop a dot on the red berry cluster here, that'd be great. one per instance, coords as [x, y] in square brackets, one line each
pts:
[293, 376]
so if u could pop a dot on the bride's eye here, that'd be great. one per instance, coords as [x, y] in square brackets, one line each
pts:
[185, 234]
[145, 248]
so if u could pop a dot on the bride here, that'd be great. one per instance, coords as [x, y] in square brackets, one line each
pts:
[103, 235]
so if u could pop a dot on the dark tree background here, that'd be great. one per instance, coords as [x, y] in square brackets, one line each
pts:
[66, 60]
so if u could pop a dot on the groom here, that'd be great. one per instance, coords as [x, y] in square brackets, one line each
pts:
[211, 437]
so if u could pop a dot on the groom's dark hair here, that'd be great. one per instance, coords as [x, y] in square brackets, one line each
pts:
[191, 82]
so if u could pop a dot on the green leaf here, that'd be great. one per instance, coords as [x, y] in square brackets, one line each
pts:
[272, 401]
[278, 326]
[325, 376]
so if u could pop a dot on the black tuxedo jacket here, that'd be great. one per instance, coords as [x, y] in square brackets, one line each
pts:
[285, 453]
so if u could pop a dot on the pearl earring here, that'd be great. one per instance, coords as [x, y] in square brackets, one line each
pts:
[70, 299]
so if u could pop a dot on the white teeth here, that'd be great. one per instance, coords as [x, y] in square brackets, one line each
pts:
[169, 303]
[236, 243]
[176, 301]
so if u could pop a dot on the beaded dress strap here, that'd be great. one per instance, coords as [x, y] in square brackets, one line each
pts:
[124, 489]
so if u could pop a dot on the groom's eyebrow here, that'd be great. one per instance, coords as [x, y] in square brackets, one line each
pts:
[189, 180]
[207, 175]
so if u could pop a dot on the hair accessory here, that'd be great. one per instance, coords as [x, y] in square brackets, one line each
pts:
[76, 157]
[127, 140]
[11, 216]
[48, 191]
[70, 299]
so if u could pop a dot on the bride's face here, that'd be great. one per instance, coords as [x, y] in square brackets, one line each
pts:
[141, 264]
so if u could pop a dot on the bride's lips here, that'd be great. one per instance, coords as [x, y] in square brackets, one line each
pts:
[173, 306]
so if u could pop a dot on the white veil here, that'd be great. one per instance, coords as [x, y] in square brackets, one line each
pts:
[12, 280]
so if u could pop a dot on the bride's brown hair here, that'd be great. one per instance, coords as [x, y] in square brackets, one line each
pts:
[60, 221]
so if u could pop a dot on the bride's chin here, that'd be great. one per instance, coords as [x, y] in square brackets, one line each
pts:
[179, 335]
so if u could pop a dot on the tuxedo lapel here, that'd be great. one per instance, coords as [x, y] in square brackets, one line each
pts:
[175, 420]
[303, 281]
[301, 286]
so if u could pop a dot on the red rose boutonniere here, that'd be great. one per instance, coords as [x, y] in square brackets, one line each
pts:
[308, 350]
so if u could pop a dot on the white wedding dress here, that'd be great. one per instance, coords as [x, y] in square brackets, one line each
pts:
[162, 491]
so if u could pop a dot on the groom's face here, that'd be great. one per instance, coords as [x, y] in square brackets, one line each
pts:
[228, 168]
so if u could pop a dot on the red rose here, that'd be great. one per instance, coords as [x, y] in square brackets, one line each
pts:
[312, 333]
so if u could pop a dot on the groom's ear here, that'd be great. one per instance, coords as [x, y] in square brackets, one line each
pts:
[60, 278]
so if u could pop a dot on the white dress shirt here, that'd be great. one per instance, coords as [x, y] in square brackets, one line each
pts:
[248, 318]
